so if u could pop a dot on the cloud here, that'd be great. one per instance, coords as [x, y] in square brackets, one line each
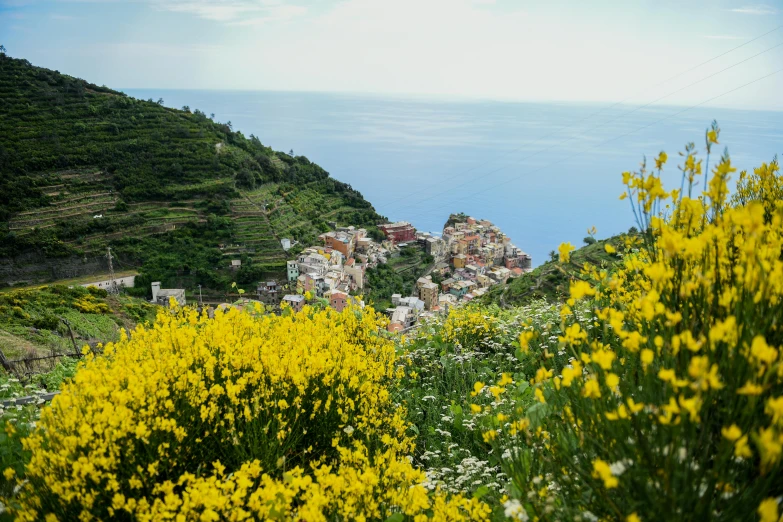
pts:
[722, 37]
[280, 13]
[236, 12]
[758, 9]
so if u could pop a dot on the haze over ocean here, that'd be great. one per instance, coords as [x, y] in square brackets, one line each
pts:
[543, 172]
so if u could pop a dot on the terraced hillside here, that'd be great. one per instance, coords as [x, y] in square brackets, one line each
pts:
[174, 193]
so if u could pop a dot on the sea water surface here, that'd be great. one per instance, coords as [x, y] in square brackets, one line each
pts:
[543, 172]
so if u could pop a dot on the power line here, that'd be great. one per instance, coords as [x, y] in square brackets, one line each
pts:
[613, 139]
[595, 113]
[468, 182]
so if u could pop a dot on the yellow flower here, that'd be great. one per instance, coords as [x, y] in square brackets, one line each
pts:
[580, 289]
[647, 357]
[732, 432]
[768, 510]
[750, 389]
[565, 250]
[604, 358]
[602, 470]
[9, 473]
[475, 408]
[774, 408]
[633, 517]
[742, 449]
[591, 389]
[609, 248]
[489, 436]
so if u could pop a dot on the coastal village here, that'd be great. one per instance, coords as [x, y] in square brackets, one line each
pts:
[469, 256]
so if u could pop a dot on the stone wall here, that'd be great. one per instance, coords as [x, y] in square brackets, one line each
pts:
[36, 268]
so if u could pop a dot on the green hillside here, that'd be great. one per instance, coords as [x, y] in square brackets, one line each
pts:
[550, 281]
[170, 186]
[36, 322]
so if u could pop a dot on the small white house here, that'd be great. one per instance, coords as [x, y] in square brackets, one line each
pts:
[286, 243]
[161, 295]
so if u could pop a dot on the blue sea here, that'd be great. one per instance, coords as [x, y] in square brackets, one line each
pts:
[543, 172]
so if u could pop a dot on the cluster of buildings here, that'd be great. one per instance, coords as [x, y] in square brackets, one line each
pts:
[335, 268]
[472, 255]
[469, 257]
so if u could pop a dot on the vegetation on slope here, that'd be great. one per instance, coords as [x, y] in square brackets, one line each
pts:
[58, 319]
[397, 276]
[551, 279]
[169, 186]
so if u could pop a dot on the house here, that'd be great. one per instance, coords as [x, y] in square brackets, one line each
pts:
[343, 242]
[162, 296]
[415, 304]
[293, 270]
[446, 302]
[428, 292]
[459, 261]
[404, 316]
[395, 299]
[296, 302]
[398, 232]
[459, 289]
[236, 264]
[423, 281]
[355, 272]
[268, 292]
[286, 243]
[434, 246]
[338, 301]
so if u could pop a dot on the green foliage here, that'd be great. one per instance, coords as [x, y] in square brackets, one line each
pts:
[438, 390]
[398, 276]
[40, 318]
[83, 167]
[550, 280]
[16, 422]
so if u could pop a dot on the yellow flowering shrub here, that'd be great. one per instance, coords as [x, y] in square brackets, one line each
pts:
[470, 328]
[671, 407]
[239, 416]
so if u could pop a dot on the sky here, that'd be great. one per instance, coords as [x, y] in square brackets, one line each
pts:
[633, 51]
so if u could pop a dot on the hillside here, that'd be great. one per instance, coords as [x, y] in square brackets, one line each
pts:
[84, 167]
[39, 322]
[550, 280]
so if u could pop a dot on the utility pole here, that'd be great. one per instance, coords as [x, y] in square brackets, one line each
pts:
[113, 288]
[199, 296]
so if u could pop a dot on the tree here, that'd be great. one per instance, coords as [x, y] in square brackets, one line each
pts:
[589, 240]
[160, 101]
[186, 108]
[211, 115]
[2, 49]
[553, 256]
